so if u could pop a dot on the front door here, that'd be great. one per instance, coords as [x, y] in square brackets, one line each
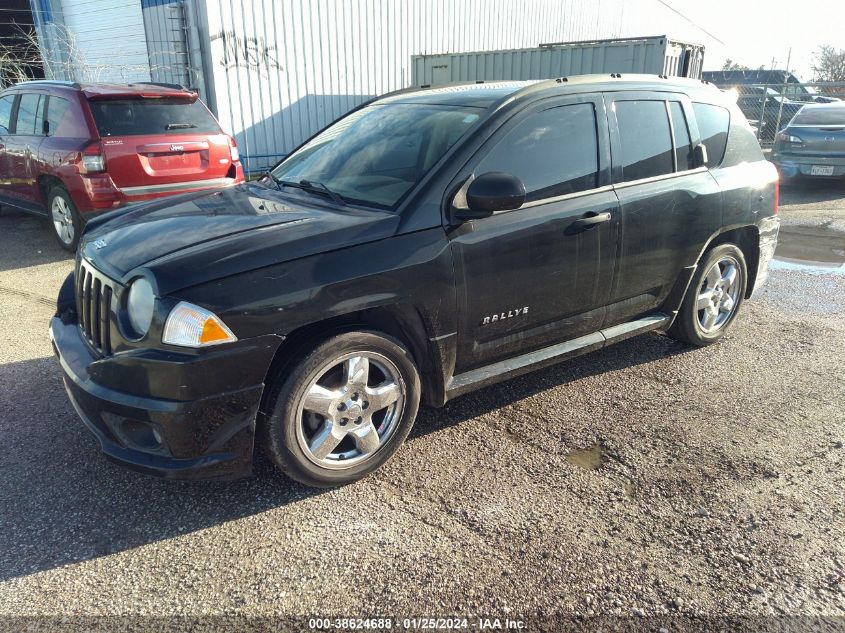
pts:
[534, 276]
[22, 148]
[7, 103]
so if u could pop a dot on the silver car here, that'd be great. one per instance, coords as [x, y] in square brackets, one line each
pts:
[813, 143]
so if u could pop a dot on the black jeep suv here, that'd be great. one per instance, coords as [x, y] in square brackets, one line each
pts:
[429, 242]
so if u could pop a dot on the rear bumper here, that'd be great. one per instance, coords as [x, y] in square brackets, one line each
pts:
[97, 193]
[208, 437]
[792, 165]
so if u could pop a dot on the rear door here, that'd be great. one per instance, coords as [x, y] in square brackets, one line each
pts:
[668, 209]
[153, 145]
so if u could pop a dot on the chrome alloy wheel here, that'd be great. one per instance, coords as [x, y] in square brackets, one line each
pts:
[350, 409]
[718, 295]
[62, 220]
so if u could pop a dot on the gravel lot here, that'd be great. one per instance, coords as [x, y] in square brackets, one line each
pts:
[647, 479]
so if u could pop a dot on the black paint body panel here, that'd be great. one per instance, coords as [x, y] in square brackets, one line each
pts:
[277, 267]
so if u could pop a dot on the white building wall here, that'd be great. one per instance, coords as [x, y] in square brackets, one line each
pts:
[282, 69]
[105, 40]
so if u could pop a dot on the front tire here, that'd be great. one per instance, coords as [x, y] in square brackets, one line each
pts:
[64, 218]
[713, 298]
[342, 410]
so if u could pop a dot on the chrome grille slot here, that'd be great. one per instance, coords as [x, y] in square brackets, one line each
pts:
[94, 295]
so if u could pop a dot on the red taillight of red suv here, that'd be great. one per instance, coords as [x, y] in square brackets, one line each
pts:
[91, 159]
[233, 150]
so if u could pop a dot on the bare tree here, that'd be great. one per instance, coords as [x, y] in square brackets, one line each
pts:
[732, 65]
[19, 59]
[829, 64]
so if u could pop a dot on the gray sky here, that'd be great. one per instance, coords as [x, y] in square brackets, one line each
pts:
[754, 31]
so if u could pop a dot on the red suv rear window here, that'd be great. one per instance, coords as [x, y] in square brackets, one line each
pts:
[132, 117]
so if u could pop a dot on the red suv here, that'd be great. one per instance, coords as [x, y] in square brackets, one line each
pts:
[70, 150]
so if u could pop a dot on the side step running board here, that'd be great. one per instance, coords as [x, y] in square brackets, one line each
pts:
[468, 381]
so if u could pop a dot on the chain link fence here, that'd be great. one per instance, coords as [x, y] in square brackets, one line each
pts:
[770, 107]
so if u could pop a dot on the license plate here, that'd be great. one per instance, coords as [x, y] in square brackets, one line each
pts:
[821, 170]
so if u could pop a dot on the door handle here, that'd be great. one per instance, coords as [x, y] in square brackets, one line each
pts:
[592, 220]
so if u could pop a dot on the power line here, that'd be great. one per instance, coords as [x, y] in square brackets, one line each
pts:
[693, 22]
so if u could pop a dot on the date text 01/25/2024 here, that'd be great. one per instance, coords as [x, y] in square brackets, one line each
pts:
[416, 624]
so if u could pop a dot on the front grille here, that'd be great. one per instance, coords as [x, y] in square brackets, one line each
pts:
[94, 295]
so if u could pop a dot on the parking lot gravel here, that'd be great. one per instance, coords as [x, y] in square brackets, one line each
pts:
[647, 480]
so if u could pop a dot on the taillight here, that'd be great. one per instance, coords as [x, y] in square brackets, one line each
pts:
[777, 195]
[92, 159]
[233, 150]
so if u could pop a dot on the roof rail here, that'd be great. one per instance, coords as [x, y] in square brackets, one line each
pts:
[48, 82]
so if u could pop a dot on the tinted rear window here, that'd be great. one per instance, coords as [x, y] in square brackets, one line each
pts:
[645, 138]
[820, 116]
[131, 117]
[713, 123]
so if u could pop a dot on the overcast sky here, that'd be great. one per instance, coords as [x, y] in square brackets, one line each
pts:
[754, 31]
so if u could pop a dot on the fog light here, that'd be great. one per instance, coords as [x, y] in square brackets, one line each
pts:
[139, 435]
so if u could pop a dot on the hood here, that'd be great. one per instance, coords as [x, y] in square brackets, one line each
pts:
[199, 237]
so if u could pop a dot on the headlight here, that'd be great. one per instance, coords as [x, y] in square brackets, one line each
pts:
[191, 326]
[140, 306]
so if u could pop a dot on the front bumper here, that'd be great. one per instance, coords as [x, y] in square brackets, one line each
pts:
[769, 228]
[207, 437]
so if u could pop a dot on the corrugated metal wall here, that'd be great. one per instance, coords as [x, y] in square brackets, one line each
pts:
[283, 69]
[106, 40]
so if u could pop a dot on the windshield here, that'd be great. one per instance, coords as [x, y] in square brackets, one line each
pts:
[377, 154]
[129, 117]
[820, 116]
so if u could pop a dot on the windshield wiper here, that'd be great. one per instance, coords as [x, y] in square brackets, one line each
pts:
[178, 126]
[318, 186]
[311, 186]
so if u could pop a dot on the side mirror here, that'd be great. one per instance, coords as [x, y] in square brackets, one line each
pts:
[699, 155]
[491, 192]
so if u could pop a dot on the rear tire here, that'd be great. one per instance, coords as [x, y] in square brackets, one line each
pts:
[713, 298]
[342, 410]
[64, 218]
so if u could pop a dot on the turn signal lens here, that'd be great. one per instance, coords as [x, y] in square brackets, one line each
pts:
[188, 325]
[233, 150]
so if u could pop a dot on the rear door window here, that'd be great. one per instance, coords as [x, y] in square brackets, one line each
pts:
[554, 152]
[6, 104]
[133, 117]
[680, 132]
[30, 114]
[645, 137]
[713, 123]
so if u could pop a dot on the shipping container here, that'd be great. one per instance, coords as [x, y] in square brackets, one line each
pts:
[657, 55]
